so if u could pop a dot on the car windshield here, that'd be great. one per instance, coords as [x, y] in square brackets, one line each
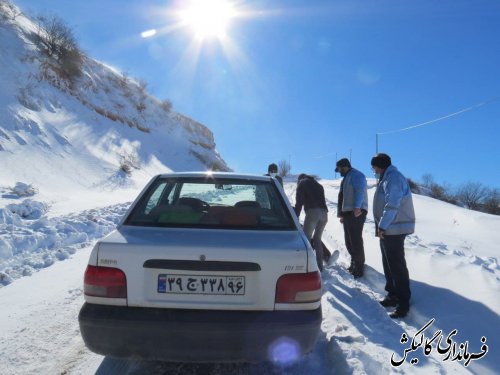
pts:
[212, 203]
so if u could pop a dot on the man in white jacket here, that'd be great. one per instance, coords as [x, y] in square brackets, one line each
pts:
[394, 219]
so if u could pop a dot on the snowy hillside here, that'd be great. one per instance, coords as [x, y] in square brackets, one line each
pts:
[99, 131]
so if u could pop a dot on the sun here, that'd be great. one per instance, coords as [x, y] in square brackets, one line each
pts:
[208, 18]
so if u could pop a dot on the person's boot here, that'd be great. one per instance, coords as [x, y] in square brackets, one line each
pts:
[400, 312]
[389, 301]
[351, 267]
[357, 271]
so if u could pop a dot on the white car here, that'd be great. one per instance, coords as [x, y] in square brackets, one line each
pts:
[204, 267]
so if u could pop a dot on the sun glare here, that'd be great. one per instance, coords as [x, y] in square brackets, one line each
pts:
[208, 18]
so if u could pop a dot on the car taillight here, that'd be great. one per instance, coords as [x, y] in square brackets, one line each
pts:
[105, 282]
[298, 287]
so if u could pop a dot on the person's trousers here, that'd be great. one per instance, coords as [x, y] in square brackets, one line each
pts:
[395, 269]
[314, 224]
[353, 235]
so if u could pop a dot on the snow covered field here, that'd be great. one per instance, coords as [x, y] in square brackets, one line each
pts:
[452, 261]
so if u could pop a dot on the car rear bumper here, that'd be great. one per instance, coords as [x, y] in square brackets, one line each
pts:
[198, 335]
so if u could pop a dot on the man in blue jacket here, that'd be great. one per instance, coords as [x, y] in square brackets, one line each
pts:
[394, 219]
[352, 209]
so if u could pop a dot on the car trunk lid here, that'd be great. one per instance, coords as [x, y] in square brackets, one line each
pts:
[203, 268]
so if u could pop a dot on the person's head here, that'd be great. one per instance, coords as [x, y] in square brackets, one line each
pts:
[301, 177]
[343, 166]
[380, 162]
[272, 169]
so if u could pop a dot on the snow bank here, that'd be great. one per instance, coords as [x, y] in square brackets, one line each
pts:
[30, 241]
[24, 190]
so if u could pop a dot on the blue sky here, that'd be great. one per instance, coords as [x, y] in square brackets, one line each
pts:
[307, 80]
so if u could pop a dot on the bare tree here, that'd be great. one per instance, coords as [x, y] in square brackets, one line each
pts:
[57, 41]
[413, 186]
[442, 192]
[166, 105]
[427, 180]
[71, 63]
[472, 194]
[56, 37]
[437, 191]
[143, 84]
[492, 202]
[284, 168]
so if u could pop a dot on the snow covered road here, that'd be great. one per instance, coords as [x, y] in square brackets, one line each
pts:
[452, 282]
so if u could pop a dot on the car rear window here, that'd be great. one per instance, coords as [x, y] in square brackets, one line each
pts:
[212, 203]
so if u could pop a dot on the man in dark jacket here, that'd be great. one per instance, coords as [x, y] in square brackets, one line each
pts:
[352, 209]
[311, 195]
[394, 219]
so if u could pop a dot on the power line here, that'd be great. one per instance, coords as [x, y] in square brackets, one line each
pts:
[436, 119]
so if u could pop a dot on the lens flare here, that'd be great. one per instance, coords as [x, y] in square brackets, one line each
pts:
[148, 33]
[284, 351]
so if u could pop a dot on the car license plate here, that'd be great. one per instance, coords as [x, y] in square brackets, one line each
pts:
[198, 284]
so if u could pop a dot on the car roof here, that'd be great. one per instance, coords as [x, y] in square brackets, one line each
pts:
[231, 175]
